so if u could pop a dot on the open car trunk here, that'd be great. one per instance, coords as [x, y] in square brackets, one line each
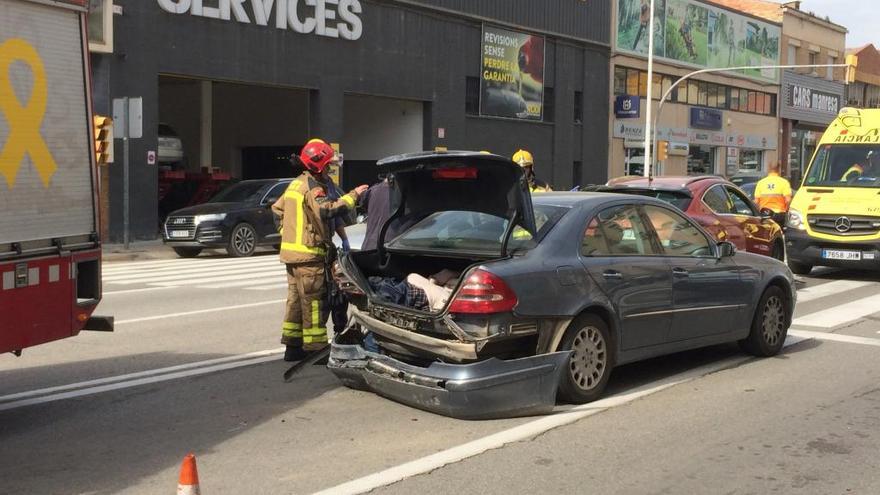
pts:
[461, 363]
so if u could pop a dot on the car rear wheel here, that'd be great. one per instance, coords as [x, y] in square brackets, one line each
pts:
[242, 241]
[187, 252]
[591, 360]
[769, 326]
[778, 251]
[799, 268]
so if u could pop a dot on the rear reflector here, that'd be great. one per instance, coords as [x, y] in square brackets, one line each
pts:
[455, 173]
[483, 293]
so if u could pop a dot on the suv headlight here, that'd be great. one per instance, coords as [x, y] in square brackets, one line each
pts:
[214, 217]
[795, 220]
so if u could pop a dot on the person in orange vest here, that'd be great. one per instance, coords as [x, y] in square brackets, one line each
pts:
[774, 193]
[307, 214]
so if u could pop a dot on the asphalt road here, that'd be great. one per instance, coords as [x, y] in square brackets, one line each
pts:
[195, 365]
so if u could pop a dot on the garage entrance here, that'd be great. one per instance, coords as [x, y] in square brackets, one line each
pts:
[375, 128]
[213, 132]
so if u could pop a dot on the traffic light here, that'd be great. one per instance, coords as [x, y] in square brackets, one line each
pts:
[662, 150]
[103, 139]
[852, 62]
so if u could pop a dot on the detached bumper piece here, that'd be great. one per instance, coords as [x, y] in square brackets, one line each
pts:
[485, 390]
[99, 324]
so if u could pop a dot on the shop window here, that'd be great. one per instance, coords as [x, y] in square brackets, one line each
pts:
[693, 93]
[751, 161]
[578, 107]
[472, 96]
[632, 82]
[549, 105]
[620, 80]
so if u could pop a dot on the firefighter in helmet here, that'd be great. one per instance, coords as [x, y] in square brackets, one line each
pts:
[525, 160]
[306, 214]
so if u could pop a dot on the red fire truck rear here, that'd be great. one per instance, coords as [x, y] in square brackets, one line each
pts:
[50, 251]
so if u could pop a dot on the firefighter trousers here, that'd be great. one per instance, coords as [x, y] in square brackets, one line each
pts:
[306, 313]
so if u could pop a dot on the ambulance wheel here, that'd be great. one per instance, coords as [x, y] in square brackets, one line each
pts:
[187, 252]
[242, 241]
[799, 268]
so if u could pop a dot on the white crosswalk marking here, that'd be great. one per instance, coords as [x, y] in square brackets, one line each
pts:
[829, 289]
[262, 272]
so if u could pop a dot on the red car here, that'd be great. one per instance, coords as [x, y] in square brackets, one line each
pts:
[724, 210]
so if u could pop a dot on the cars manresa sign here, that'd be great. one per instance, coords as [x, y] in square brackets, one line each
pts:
[330, 18]
[811, 99]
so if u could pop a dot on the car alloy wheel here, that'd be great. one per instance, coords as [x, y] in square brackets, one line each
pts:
[589, 358]
[773, 323]
[243, 241]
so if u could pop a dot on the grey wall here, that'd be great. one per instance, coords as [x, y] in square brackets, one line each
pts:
[407, 53]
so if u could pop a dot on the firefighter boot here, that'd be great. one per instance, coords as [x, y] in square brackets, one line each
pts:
[294, 353]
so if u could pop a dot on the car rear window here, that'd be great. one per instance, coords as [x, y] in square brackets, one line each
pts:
[474, 232]
[677, 199]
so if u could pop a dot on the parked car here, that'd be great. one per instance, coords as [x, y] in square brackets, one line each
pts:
[239, 219]
[720, 207]
[741, 180]
[553, 291]
[170, 145]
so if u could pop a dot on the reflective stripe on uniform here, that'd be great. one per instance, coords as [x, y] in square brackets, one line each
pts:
[317, 333]
[291, 330]
[348, 200]
[302, 248]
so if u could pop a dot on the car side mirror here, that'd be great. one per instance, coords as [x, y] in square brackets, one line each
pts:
[766, 213]
[726, 249]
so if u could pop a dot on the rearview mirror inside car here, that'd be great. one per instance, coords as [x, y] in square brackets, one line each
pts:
[726, 249]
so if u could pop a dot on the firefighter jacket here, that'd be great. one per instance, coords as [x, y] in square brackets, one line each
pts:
[305, 212]
[773, 192]
[536, 185]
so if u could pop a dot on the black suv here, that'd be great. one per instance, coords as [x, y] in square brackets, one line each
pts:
[239, 219]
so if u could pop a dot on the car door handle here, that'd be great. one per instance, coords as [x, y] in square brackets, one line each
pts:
[612, 275]
[680, 272]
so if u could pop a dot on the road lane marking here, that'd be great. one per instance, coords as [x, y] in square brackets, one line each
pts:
[841, 314]
[830, 288]
[185, 274]
[135, 383]
[139, 374]
[243, 283]
[198, 312]
[835, 337]
[268, 287]
[525, 431]
[164, 264]
[130, 291]
[211, 265]
[257, 277]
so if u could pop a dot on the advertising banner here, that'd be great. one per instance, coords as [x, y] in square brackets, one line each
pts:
[704, 36]
[626, 107]
[512, 79]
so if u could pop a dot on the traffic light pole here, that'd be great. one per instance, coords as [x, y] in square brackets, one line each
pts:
[126, 235]
[652, 126]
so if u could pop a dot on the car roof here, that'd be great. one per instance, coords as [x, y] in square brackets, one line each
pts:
[664, 183]
[572, 199]
[265, 181]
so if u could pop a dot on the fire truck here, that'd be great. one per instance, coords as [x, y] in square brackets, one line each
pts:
[50, 250]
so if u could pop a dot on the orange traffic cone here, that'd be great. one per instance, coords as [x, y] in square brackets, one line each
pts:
[189, 477]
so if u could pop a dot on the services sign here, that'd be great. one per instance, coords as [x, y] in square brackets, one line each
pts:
[512, 79]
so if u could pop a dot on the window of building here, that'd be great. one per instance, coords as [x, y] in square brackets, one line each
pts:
[734, 99]
[578, 107]
[667, 83]
[722, 97]
[632, 82]
[643, 83]
[577, 172]
[693, 93]
[657, 88]
[620, 80]
[752, 99]
[830, 72]
[704, 94]
[813, 60]
[713, 96]
[472, 96]
[792, 55]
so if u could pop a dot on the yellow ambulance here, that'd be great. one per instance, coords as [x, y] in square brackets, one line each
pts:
[834, 219]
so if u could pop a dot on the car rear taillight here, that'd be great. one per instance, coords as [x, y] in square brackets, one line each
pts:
[483, 292]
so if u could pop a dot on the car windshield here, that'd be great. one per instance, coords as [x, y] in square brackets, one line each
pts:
[677, 199]
[243, 192]
[471, 231]
[845, 165]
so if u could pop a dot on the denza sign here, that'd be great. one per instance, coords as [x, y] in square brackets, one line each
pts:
[331, 18]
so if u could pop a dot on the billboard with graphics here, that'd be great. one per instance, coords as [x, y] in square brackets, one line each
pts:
[512, 82]
[701, 35]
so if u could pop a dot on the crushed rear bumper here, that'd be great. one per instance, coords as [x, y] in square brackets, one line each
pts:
[488, 389]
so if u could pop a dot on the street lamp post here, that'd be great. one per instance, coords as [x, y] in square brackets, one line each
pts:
[648, 122]
[656, 118]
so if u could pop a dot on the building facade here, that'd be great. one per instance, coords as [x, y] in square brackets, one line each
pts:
[864, 92]
[237, 86]
[717, 123]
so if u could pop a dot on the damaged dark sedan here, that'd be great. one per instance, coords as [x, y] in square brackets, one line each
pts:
[491, 306]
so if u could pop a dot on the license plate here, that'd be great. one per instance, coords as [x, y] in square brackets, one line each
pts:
[833, 254]
[179, 233]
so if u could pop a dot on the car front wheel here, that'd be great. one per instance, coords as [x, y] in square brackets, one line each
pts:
[799, 268]
[242, 241]
[591, 360]
[769, 326]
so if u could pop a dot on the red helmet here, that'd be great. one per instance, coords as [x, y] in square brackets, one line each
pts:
[316, 155]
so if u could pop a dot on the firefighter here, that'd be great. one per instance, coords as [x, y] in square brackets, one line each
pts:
[774, 193]
[525, 160]
[306, 214]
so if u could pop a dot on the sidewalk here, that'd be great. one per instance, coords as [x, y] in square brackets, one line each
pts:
[137, 251]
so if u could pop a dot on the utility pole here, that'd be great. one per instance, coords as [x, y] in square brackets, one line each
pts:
[649, 132]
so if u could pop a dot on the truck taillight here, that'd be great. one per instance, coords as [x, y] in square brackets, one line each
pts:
[483, 292]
